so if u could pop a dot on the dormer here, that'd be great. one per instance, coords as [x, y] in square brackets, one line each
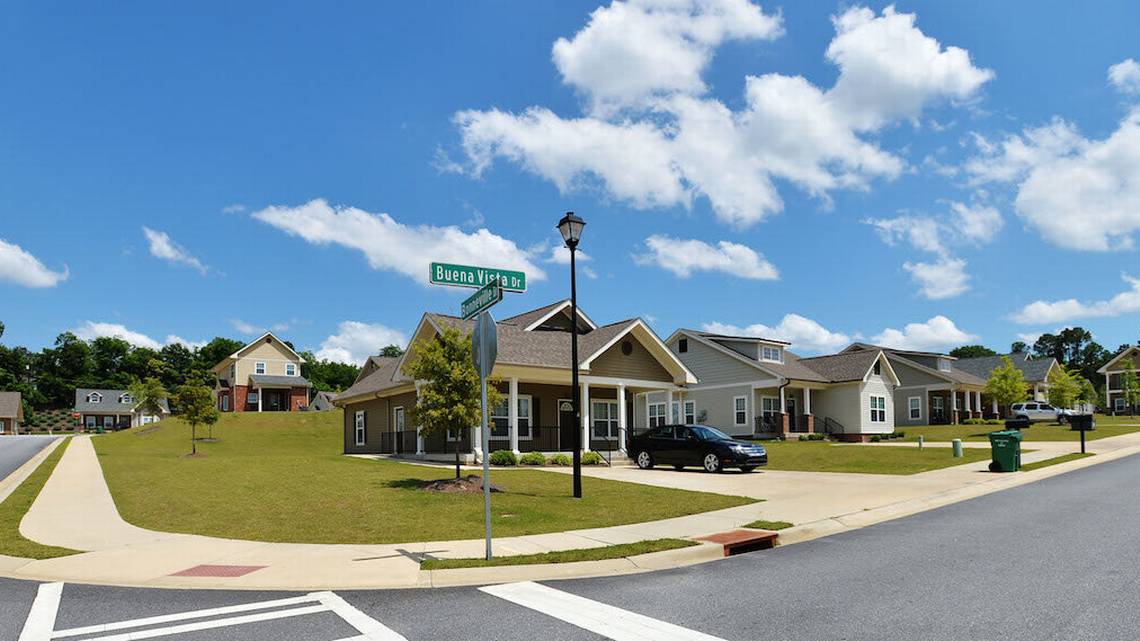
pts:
[764, 350]
[944, 365]
[94, 397]
[126, 399]
[556, 317]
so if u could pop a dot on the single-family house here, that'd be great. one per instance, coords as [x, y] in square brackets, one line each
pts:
[619, 364]
[262, 376]
[1127, 360]
[112, 409]
[756, 387]
[1035, 371]
[931, 390]
[322, 402]
[11, 413]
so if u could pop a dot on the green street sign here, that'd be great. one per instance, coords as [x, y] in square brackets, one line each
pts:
[484, 299]
[476, 277]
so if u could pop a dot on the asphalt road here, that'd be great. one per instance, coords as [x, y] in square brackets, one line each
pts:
[1058, 559]
[16, 450]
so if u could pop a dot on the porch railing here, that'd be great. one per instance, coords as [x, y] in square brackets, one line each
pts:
[769, 424]
[832, 426]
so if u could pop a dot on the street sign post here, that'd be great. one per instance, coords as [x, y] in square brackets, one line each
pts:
[484, 298]
[475, 277]
[484, 350]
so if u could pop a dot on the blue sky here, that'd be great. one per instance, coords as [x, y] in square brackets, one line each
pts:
[925, 174]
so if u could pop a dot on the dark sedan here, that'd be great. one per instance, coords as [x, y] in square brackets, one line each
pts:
[682, 445]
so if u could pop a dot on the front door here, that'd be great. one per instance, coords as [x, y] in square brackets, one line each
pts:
[567, 423]
[274, 399]
[937, 410]
[790, 408]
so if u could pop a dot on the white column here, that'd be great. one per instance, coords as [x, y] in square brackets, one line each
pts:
[669, 406]
[513, 414]
[646, 395]
[807, 400]
[1036, 391]
[621, 417]
[995, 407]
[259, 398]
[966, 398]
[953, 398]
[585, 417]
[978, 401]
[419, 433]
[1107, 396]
[783, 405]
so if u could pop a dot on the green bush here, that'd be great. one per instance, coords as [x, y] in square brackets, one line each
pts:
[592, 458]
[532, 458]
[561, 459]
[812, 437]
[994, 421]
[876, 438]
[504, 458]
[900, 434]
[974, 421]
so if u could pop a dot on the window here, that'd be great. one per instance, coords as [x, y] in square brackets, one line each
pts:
[769, 406]
[360, 427]
[772, 354]
[914, 404]
[878, 409]
[3, 426]
[126, 398]
[108, 422]
[89, 422]
[1119, 404]
[944, 365]
[740, 410]
[878, 368]
[225, 402]
[233, 372]
[604, 417]
[656, 414]
[259, 368]
[690, 412]
[683, 345]
[94, 397]
[251, 398]
[501, 420]
[661, 431]
[290, 369]
[675, 414]
[398, 420]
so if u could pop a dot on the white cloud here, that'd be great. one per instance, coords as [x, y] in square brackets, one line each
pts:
[1125, 76]
[235, 208]
[920, 232]
[631, 51]
[390, 245]
[1041, 312]
[1029, 338]
[252, 329]
[671, 144]
[944, 278]
[162, 246]
[20, 267]
[355, 341]
[560, 255]
[976, 222]
[937, 333]
[683, 257]
[803, 333]
[91, 330]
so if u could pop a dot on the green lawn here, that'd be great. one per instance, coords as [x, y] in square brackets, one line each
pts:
[282, 477]
[563, 556]
[821, 456]
[13, 509]
[1106, 426]
[1029, 467]
[768, 525]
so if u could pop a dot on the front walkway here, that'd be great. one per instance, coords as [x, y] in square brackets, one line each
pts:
[75, 510]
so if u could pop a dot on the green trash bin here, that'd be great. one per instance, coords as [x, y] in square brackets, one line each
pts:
[1005, 449]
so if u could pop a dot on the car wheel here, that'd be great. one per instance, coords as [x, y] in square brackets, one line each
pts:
[712, 462]
[748, 468]
[644, 460]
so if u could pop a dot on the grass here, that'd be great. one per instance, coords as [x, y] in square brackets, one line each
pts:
[564, 556]
[1106, 426]
[821, 456]
[13, 509]
[768, 525]
[282, 477]
[1029, 467]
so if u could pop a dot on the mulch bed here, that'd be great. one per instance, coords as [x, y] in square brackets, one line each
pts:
[472, 483]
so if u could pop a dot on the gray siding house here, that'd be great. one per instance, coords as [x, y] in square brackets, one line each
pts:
[1034, 370]
[112, 409]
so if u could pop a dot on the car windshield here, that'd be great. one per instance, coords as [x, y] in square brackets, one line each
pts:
[709, 433]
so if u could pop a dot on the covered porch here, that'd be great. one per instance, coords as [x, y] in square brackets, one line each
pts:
[784, 410]
[952, 404]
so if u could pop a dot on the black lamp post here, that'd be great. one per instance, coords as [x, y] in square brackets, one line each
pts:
[571, 228]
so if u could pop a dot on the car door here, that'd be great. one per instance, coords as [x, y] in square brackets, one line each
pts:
[659, 442]
[686, 447]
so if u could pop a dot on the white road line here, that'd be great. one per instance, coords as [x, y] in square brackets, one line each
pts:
[180, 616]
[369, 628]
[209, 625]
[600, 618]
[41, 618]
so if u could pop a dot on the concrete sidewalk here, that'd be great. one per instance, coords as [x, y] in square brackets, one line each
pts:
[75, 510]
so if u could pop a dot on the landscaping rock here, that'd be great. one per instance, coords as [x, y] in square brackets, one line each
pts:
[472, 483]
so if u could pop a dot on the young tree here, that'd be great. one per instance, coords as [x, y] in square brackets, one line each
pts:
[1130, 389]
[1063, 387]
[1006, 384]
[1087, 395]
[449, 399]
[149, 395]
[196, 407]
[972, 351]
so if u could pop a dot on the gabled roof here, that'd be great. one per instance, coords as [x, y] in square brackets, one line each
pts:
[847, 367]
[955, 375]
[1131, 351]
[790, 369]
[110, 404]
[536, 317]
[237, 355]
[1034, 370]
[907, 352]
[11, 406]
[382, 378]
[290, 381]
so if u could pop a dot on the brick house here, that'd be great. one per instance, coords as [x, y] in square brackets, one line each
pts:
[263, 376]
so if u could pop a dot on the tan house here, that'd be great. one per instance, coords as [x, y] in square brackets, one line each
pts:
[1127, 359]
[619, 364]
[11, 413]
[263, 376]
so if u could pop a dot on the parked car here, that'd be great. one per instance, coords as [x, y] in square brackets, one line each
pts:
[683, 445]
[1035, 411]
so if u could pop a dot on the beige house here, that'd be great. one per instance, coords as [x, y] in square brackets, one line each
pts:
[1127, 359]
[619, 364]
[11, 413]
[262, 376]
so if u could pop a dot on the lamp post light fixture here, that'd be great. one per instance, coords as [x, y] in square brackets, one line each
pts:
[571, 229]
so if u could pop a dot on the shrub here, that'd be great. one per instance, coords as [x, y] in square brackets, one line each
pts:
[592, 458]
[876, 438]
[504, 458]
[532, 458]
[994, 421]
[812, 437]
[561, 459]
[974, 421]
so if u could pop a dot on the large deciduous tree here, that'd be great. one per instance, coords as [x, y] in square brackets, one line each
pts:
[1006, 384]
[1075, 348]
[972, 351]
[449, 399]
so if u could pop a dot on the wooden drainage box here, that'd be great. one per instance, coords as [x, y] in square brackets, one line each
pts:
[741, 541]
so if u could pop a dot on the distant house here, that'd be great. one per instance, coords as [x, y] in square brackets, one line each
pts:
[263, 376]
[1127, 359]
[11, 413]
[112, 409]
[322, 402]
[1034, 370]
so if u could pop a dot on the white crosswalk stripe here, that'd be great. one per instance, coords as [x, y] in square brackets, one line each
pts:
[600, 618]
